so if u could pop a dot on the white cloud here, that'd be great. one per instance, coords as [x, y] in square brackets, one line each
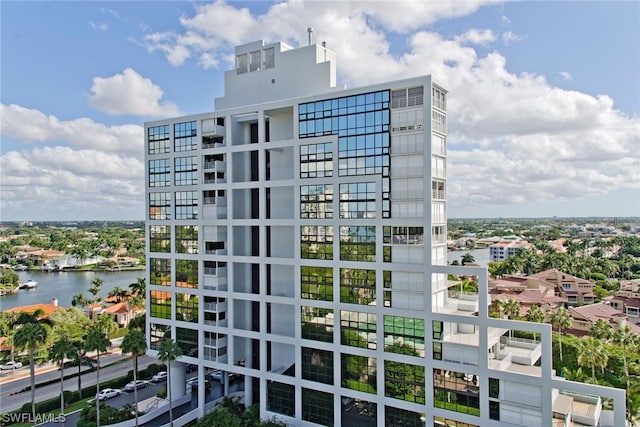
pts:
[88, 170]
[101, 26]
[508, 37]
[477, 36]
[130, 93]
[565, 75]
[33, 126]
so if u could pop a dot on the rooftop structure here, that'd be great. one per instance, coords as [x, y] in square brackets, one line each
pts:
[297, 240]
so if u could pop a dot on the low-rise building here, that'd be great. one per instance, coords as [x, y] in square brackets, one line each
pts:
[505, 249]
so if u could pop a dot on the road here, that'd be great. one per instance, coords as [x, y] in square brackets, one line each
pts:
[12, 398]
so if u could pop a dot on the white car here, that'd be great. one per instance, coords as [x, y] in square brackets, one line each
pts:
[134, 385]
[160, 376]
[108, 393]
[11, 365]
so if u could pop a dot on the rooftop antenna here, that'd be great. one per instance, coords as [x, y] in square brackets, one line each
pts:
[310, 31]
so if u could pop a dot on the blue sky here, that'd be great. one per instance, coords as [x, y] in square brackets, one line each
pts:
[544, 108]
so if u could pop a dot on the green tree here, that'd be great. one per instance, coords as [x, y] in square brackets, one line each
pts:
[136, 344]
[467, 258]
[169, 351]
[31, 336]
[97, 341]
[536, 315]
[561, 319]
[601, 330]
[61, 349]
[118, 293]
[591, 353]
[139, 286]
[628, 340]
[106, 324]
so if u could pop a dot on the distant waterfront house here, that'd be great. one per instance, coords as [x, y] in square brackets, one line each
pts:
[123, 313]
[505, 249]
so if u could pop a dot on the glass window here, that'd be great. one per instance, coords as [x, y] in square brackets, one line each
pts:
[358, 329]
[269, 58]
[317, 365]
[317, 407]
[357, 286]
[187, 307]
[359, 373]
[255, 60]
[185, 136]
[158, 333]
[404, 381]
[160, 205]
[159, 173]
[281, 398]
[358, 200]
[456, 391]
[402, 417]
[186, 170]
[187, 273]
[187, 239]
[316, 242]
[160, 238]
[187, 339]
[160, 271]
[316, 201]
[357, 243]
[317, 324]
[242, 63]
[316, 283]
[404, 335]
[316, 160]
[158, 139]
[186, 205]
[160, 306]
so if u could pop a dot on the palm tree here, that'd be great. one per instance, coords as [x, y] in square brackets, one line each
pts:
[169, 351]
[136, 344]
[61, 349]
[98, 342]
[30, 336]
[79, 355]
[139, 286]
[467, 258]
[535, 314]
[511, 309]
[79, 300]
[106, 324]
[591, 353]
[627, 339]
[601, 330]
[561, 319]
[118, 293]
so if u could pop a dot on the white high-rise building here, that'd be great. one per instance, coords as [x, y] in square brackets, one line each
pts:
[297, 244]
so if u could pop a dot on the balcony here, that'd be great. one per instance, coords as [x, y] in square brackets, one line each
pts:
[214, 165]
[215, 307]
[522, 351]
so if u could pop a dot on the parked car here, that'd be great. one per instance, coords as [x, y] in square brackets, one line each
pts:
[108, 393]
[193, 383]
[135, 384]
[215, 375]
[160, 376]
[191, 367]
[11, 365]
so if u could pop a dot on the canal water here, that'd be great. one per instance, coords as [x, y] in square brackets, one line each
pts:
[64, 285]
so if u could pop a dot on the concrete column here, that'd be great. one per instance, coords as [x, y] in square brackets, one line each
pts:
[178, 379]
